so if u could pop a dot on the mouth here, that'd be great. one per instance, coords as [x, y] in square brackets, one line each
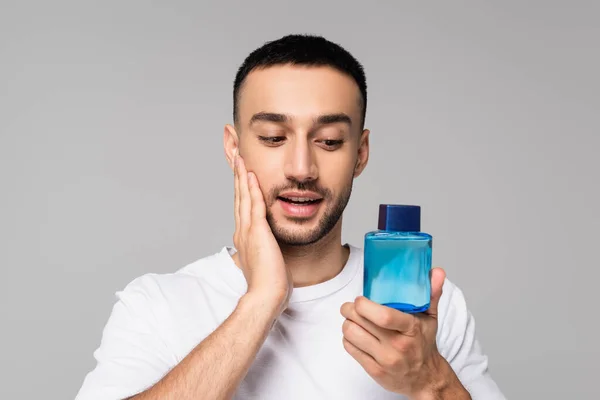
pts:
[300, 198]
[300, 205]
[299, 201]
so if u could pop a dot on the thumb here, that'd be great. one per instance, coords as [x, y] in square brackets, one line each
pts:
[438, 276]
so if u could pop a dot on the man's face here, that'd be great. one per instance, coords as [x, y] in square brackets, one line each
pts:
[299, 132]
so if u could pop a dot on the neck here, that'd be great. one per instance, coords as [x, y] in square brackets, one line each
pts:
[317, 262]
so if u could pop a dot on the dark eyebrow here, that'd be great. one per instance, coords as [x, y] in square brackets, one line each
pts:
[334, 118]
[320, 120]
[268, 117]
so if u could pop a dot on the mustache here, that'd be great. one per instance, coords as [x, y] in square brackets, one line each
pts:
[311, 186]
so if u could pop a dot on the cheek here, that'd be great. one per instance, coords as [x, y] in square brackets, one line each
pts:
[259, 164]
[336, 177]
[339, 170]
[266, 175]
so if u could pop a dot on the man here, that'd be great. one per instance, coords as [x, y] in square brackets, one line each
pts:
[280, 315]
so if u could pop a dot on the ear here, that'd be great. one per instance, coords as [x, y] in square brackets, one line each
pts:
[230, 144]
[363, 153]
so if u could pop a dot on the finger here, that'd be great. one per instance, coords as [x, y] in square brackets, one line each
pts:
[244, 195]
[360, 338]
[385, 317]
[348, 311]
[259, 209]
[236, 190]
[438, 276]
[366, 361]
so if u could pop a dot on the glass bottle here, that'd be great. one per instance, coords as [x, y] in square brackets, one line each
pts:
[397, 260]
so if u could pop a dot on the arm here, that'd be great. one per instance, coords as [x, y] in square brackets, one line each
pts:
[135, 357]
[217, 365]
[215, 368]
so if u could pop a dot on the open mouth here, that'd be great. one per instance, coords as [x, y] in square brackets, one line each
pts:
[300, 201]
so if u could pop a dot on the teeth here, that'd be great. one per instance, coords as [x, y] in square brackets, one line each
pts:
[299, 199]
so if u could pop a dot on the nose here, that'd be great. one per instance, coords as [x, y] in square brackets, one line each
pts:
[300, 164]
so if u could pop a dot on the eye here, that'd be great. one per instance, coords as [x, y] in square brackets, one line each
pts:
[330, 144]
[272, 140]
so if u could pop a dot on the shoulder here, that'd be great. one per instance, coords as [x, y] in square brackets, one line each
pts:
[156, 320]
[452, 296]
[457, 336]
[164, 288]
[453, 310]
[458, 343]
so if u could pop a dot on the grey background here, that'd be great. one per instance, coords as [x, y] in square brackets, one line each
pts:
[486, 114]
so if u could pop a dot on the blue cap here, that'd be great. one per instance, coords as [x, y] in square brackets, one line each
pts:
[399, 218]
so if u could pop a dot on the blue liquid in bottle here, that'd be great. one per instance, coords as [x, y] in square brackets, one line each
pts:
[397, 260]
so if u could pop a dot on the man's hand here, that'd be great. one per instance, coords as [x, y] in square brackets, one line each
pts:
[399, 350]
[259, 253]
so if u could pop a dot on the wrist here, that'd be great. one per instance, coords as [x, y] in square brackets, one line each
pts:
[444, 384]
[269, 295]
[265, 307]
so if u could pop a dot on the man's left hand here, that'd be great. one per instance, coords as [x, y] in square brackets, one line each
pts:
[398, 350]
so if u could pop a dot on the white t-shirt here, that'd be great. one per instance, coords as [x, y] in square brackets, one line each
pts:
[159, 318]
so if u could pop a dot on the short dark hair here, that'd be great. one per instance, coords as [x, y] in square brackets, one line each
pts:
[302, 49]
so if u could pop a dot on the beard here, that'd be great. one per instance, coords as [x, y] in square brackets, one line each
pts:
[296, 236]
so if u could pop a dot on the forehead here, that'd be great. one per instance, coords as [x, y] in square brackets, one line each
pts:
[299, 91]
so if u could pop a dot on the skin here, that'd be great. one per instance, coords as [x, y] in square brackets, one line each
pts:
[302, 156]
[277, 253]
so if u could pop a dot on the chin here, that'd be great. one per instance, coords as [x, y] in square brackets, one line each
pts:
[297, 237]
[301, 232]
[296, 226]
[295, 231]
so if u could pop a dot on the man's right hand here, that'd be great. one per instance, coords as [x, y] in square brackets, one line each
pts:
[259, 254]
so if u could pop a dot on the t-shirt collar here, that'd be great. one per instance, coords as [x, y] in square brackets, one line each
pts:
[236, 280]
